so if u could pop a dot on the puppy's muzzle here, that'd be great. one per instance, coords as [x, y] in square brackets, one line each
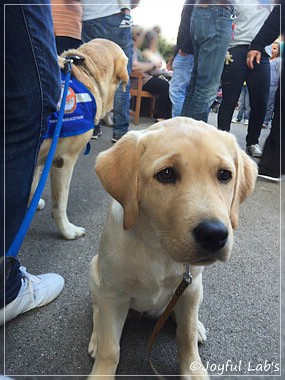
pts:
[211, 235]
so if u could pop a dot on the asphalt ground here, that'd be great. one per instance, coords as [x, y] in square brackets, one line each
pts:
[240, 310]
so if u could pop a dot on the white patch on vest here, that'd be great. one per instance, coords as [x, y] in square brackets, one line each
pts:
[83, 98]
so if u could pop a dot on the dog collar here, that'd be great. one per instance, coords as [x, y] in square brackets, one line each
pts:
[187, 275]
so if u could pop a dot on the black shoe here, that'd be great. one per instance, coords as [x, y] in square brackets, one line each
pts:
[116, 138]
[97, 132]
[268, 174]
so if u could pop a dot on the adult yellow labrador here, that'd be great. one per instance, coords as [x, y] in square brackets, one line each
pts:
[103, 68]
[177, 187]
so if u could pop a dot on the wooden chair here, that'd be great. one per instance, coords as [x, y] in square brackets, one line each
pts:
[137, 91]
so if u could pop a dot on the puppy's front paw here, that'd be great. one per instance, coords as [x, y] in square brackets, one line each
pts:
[202, 337]
[92, 347]
[41, 204]
[72, 232]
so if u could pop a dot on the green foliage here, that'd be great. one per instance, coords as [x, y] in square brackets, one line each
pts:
[165, 48]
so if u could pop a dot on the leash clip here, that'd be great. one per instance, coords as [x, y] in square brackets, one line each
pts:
[187, 275]
[67, 66]
[75, 59]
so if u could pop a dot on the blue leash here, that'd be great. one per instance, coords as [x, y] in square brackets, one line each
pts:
[15, 246]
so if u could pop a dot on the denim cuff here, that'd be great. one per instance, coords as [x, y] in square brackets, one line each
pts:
[11, 277]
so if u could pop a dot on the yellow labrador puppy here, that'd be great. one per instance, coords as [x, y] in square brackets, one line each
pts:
[103, 67]
[177, 187]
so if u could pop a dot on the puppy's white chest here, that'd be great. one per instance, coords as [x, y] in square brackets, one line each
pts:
[153, 297]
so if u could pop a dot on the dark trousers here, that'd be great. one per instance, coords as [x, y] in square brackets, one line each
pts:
[160, 87]
[271, 159]
[258, 82]
[32, 89]
[64, 43]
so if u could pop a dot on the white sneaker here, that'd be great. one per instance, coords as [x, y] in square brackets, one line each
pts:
[36, 291]
[254, 150]
[245, 122]
[235, 121]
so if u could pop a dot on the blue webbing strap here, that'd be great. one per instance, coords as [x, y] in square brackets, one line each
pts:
[15, 246]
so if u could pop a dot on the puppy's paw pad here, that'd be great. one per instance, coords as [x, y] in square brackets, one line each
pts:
[202, 337]
[41, 204]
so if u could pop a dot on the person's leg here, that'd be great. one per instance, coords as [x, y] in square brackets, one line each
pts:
[241, 104]
[32, 89]
[269, 164]
[232, 79]
[211, 32]
[160, 88]
[190, 90]
[109, 28]
[258, 81]
[270, 106]
[12, 276]
[247, 105]
[182, 69]
[65, 43]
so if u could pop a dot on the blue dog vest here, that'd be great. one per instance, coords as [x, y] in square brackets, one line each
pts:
[79, 111]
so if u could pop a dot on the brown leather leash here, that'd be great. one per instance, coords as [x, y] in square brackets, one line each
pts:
[186, 281]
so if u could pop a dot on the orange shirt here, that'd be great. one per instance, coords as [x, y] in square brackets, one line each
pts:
[67, 18]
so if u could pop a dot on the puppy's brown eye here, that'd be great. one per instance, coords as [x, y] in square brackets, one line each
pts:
[166, 176]
[224, 176]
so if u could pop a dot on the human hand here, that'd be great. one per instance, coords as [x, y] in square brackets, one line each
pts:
[251, 56]
[158, 65]
[180, 52]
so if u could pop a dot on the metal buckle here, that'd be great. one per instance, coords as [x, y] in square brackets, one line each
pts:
[187, 275]
[75, 59]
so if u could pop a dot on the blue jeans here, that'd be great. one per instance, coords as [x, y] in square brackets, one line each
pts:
[108, 27]
[211, 30]
[270, 105]
[32, 89]
[244, 105]
[182, 69]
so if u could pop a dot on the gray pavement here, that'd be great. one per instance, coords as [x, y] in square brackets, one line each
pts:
[241, 307]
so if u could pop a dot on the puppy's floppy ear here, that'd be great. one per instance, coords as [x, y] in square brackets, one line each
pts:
[117, 169]
[246, 173]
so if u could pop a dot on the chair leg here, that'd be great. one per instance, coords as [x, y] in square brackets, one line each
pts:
[137, 110]
[152, 104]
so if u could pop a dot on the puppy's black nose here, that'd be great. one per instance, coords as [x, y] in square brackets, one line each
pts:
[211, 235]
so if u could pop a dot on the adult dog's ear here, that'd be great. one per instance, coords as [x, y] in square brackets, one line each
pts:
[117, 169]
[60, 61]
[246, 173]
